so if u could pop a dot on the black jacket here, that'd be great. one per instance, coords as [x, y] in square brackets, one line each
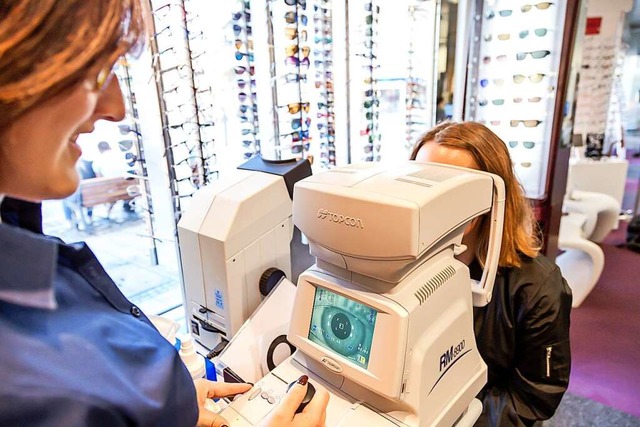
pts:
[523, 336]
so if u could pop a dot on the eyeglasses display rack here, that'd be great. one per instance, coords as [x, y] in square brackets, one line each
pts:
[289, 24]
[323, 62]
[197, 42]
[598, 110]
[365, 67]
[135, 156]
[181, 88]
[518, 71]
[393, 76]
[420, 79]
[245, 78]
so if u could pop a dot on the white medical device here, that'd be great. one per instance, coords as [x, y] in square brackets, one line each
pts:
[234, 245]
[384, 320]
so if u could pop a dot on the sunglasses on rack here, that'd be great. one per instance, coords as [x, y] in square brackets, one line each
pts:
[302, 3]
[237, 30]
[163, 11]
[324, 10]
[370, 147]
[368, 7]
[292, 17]
[323, 53]
[236, 16]
[540, 6]
[493, 101]
[540, 32]
[526, 144]
[497, 82]
[526, 123]
[530, 99]
[298, 148]
[242, 96]
[331, 139]
[240, 55]
[294, 49]
[297, 136]
[535, 54]
[534, 78]
[245, 108]
[239, 43]
[294, 60]
[293, 77]
[241, 70]
[323, 126]
[323, 39]
[294, 108]
[369, 19]
[370, 103]
[242, 83]
[293, 33]
[323, 64]
[501, 58]
[298, 122]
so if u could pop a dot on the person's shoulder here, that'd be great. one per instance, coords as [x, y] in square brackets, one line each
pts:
[540, 266]
[538, 277]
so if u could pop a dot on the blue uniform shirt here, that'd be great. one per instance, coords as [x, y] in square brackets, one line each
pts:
[73, 350]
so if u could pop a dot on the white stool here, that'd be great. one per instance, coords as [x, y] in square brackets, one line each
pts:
[582, 260]
[601, 211]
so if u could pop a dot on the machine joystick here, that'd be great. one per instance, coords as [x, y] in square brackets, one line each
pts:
[311, 391]
[269, 279]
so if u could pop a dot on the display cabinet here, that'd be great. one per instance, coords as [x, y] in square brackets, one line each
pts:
[392, 67]
[519, 83]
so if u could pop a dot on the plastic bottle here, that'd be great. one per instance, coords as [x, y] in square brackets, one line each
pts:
[194, 362]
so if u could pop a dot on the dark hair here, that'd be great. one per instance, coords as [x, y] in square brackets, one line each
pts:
[520, 233]
[49, 45]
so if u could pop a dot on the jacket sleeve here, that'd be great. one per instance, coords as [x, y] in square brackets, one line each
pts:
[542, 360]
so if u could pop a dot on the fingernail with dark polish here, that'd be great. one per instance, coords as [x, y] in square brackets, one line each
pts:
[224, 425]
[303, 380]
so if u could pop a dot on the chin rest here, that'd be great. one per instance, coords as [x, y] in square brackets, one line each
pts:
[582, 260]
[601, 212]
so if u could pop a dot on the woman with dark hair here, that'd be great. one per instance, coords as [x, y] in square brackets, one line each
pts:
[523, 333]
[76, 352]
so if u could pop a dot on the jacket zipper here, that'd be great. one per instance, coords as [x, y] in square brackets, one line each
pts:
[549, 348]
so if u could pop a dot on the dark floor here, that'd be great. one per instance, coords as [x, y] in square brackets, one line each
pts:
[575, 411]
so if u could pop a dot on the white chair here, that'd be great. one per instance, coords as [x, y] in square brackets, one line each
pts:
[601, 212]
[582, 261]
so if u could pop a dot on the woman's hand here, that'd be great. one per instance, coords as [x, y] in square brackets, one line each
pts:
[313, 415]
[212, 389]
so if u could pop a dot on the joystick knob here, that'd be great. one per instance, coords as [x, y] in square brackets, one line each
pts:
[311, 390]
[269, 279]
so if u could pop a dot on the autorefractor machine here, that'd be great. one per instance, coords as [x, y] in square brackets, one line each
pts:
[234, 245]
[384, 319]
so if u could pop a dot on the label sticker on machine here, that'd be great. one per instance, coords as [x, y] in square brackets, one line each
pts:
[342, 325]
[219, 299]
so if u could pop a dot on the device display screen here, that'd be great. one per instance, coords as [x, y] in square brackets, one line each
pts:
[342, 325]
